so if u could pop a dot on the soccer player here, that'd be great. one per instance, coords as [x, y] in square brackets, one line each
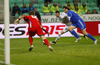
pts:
[39, 17]
[34, 27]
[76, 21]
[63, 18]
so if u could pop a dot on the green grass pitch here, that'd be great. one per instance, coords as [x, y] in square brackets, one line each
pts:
[66, 52]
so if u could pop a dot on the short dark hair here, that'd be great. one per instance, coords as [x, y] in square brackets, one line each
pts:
[66, 7]
[31, 13]
[57, 12]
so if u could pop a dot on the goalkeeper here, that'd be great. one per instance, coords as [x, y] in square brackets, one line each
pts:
[34, 27]
[63, 18]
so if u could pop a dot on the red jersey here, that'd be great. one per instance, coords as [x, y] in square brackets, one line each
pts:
[32, 21]
[34, 25]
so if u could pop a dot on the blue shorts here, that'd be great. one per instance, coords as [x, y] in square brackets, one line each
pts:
[80, 24]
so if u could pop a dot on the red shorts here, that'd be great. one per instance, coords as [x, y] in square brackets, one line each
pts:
[35, 30]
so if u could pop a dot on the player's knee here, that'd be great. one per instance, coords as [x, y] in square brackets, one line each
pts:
[70, 29]
[43, 37]
[84, 32]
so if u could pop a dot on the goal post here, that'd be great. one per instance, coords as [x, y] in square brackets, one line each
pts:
[6, 27]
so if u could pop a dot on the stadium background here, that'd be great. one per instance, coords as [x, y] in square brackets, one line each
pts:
[66, 51]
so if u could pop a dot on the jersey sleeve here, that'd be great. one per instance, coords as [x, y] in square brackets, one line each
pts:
[25, 18]
[39, 22]
[69, 16]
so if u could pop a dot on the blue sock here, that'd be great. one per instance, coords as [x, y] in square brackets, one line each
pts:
[75, 34]
[91, 37]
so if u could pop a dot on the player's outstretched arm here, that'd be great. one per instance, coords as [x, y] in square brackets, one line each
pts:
[17, 20]
[44, 30]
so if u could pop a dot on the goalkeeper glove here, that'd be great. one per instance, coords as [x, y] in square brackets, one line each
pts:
[16, 21]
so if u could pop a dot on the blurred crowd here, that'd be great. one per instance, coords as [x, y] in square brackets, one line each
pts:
[46, 8]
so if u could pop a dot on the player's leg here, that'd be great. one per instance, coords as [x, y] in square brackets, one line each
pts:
[31, 43]
[58, 37]
[62, 32]
[46, 42]
[89, 35]
[40, 33]
[74, 33]
[80, 34]
[82, 26]
[31, 33]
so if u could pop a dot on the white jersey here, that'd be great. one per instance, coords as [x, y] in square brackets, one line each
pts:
[62, 15]
[63, 18]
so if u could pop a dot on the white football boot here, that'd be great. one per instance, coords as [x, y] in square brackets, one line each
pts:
[78, 39]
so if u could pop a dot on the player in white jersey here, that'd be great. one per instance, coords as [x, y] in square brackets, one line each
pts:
[63, 18]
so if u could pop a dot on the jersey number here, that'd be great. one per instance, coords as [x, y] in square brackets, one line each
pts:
[33, 16]
[30, 21]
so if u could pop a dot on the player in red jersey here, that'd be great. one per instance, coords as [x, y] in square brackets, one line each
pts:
[34, 27]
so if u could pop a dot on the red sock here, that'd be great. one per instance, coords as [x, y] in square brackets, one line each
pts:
[46, 42]
[31, 40]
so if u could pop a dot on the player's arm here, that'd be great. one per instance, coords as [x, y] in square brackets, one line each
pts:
[65, 20]
[69, 15]
[44, 30]
[70, 22]
[17, 20]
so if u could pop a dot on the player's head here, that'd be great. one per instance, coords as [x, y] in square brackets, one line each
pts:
[31, 13]
[65, 8]
[57, 13]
